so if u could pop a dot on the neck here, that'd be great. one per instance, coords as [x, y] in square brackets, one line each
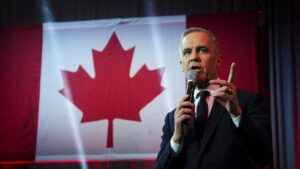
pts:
[203, 84]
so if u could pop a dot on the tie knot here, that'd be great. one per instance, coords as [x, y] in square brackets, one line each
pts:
[203, 94]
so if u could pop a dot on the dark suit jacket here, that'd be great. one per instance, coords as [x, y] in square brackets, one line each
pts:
[223, 145]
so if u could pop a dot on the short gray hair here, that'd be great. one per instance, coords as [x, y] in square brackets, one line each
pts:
[198, 29]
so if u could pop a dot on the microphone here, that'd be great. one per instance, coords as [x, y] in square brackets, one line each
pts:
[191, 84]
[190, 88]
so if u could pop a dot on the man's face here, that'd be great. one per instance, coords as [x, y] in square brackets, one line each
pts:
[199, 53]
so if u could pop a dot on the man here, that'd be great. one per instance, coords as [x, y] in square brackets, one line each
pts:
[235, 132]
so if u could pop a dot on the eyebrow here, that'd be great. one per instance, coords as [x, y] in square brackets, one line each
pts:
[185, 49]
[197, 47]
[202, 46]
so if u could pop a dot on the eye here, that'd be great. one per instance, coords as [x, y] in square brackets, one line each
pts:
[186, 52]
[202, 49]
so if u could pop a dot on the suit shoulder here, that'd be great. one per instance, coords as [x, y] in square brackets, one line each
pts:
[169, 119]
[246, 96]
[170, 114]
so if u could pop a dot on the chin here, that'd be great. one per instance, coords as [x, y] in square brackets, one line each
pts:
[202, 83]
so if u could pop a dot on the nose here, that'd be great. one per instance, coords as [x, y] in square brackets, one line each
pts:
[195, 57]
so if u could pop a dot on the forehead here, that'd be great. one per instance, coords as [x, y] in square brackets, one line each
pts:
[196, 39]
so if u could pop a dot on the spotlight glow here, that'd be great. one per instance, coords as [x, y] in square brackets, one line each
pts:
[48, 17]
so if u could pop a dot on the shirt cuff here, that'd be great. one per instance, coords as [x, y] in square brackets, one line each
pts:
[236, 120]
[176, 147]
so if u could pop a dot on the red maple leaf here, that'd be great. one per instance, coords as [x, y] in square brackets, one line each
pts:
[112, 93]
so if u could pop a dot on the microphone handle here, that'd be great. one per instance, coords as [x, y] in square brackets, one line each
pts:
[190, 90]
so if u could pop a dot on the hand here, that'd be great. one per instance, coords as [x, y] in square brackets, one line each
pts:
[227, 93]
[183, 113]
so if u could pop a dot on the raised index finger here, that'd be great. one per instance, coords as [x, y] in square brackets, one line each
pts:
[231, 73]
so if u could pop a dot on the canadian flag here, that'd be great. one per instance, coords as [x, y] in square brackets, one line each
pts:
[101, 89]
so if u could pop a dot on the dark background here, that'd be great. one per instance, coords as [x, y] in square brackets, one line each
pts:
[278, 53]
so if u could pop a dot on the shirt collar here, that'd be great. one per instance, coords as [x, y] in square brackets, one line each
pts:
[209, 88]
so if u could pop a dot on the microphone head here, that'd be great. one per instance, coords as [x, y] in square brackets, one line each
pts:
[192, 75]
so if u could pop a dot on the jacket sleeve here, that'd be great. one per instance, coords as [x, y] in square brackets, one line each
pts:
[254, 131]
[166, 158]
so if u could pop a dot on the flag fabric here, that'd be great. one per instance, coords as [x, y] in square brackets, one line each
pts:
[20, 69]
[101, 89]
[105, 49]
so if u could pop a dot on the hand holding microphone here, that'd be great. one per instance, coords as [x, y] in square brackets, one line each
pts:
[185, 111]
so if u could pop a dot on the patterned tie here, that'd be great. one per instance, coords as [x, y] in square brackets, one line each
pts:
[202, 108]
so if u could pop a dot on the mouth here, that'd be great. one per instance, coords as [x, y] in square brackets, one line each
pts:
[196, 68]
[201, 75]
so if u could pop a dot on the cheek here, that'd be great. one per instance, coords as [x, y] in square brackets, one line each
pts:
[184, 65]
[209, 66]
[210, 62]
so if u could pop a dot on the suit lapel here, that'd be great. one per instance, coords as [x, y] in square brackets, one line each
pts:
[216, 113]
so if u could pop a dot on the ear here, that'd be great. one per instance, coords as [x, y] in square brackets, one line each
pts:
[181, 65]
